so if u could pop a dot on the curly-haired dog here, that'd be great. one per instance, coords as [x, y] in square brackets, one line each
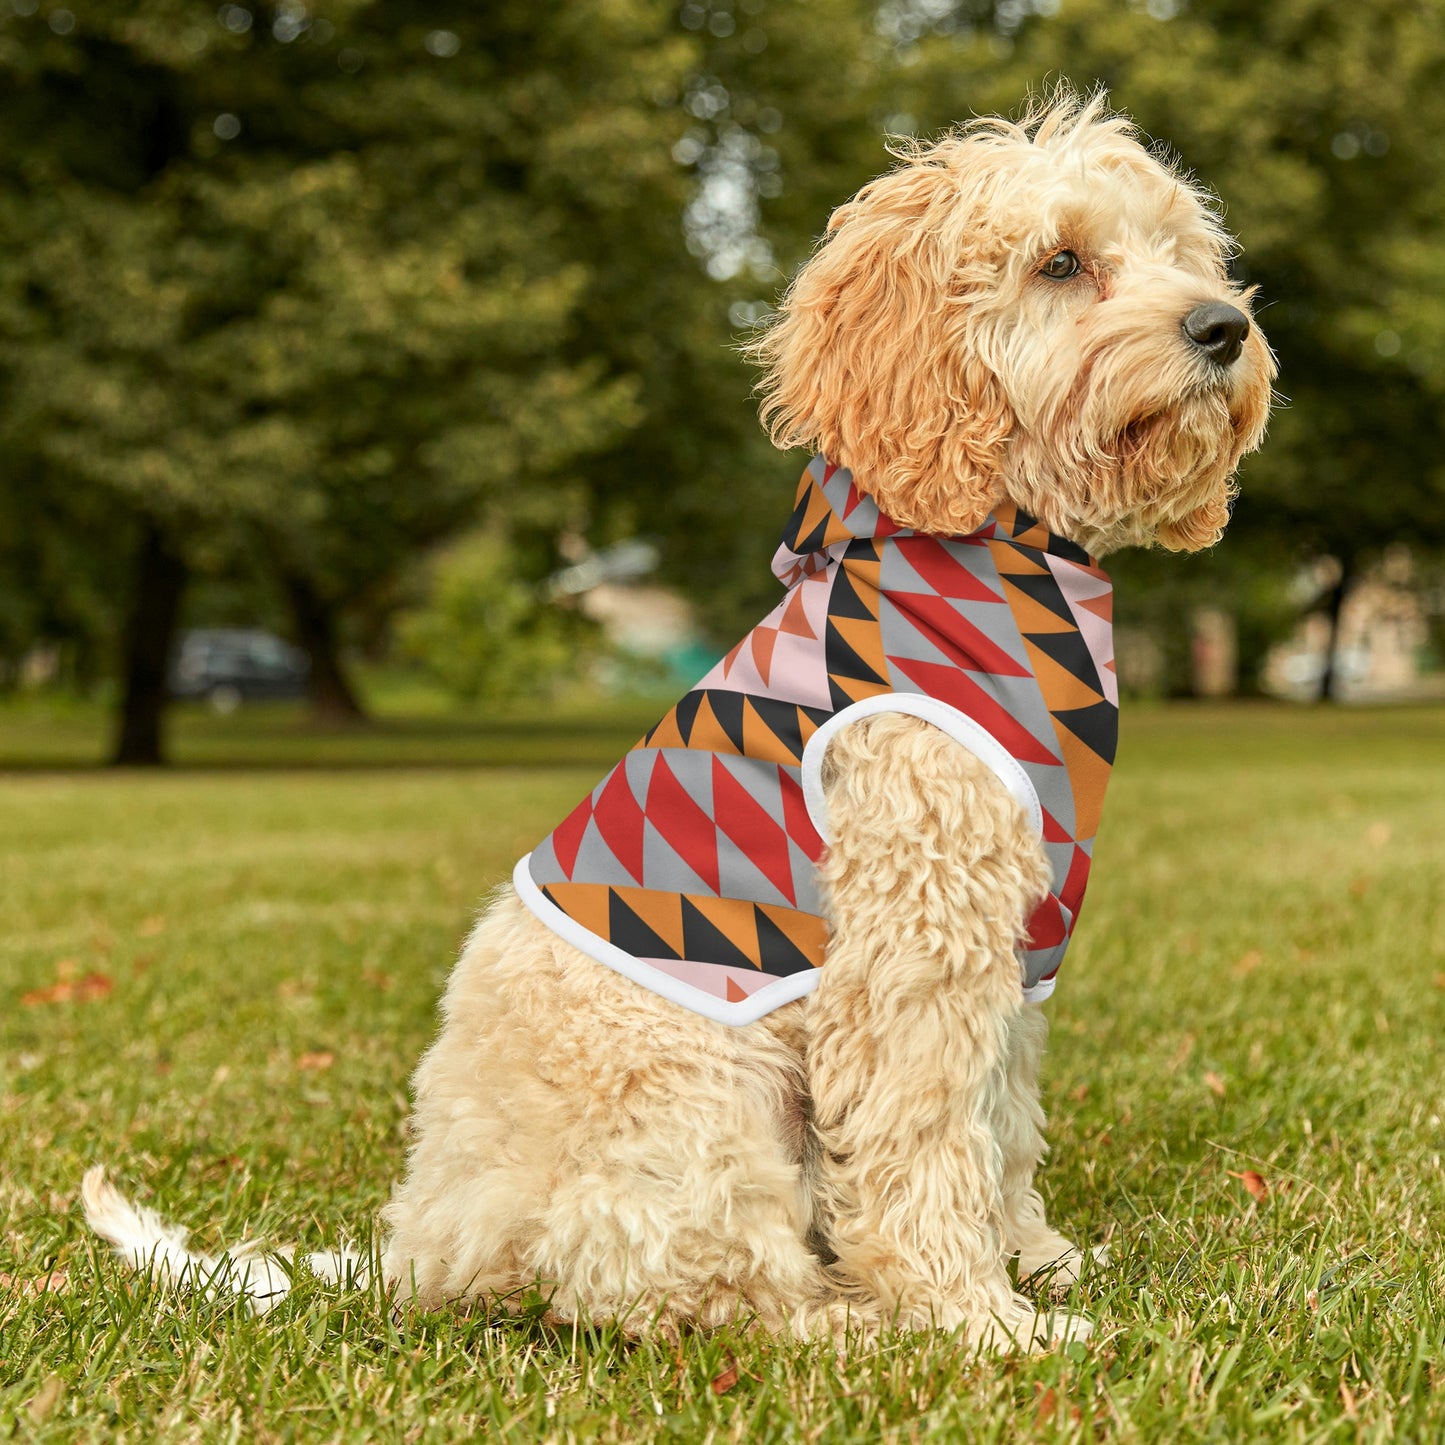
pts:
[696, 1066]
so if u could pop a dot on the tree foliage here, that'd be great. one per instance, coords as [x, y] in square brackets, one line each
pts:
[299, 290]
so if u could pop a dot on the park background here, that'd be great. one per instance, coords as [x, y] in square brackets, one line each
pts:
[408, 333]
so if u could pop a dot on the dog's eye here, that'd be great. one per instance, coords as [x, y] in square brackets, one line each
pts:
[1060, 266]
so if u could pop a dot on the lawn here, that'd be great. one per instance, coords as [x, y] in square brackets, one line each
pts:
[217, 979]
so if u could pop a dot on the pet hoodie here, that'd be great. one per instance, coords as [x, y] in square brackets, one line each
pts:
[691, 867]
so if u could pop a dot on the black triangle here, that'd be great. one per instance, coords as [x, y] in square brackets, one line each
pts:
[706, 944]
[844, 601]
[727, 708]
[1071, 652]
[1096, 726]
[780, 955]
[1043, 588]
[1070, 551]
[844, 661]
[631, 934]
[781, 719]
[792, 537]
[686, 713]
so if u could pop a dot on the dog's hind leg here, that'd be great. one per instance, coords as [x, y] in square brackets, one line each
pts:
[930, 876]
[576, 1134]
[1019, 1127]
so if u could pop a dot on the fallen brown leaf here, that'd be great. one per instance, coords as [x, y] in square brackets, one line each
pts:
[80, 990]
[1046, 1408]
[1359, 886]
[151, 927]
[320, 1059]
[1254, 1183]
[1248, 963]
[1214, 1083]
[1440, 980]
[377, 978]
[1080, 1094]
[724, 1382]
[56, 1282]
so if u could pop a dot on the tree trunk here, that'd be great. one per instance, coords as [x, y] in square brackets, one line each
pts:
[1335, 606]
[150, 629]
[333, 699]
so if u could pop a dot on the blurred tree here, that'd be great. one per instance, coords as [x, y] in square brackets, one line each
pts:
[294, 283]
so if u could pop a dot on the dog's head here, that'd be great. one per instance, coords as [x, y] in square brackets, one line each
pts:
[1038, 311]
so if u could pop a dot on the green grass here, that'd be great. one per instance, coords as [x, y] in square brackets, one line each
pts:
[1257, 986]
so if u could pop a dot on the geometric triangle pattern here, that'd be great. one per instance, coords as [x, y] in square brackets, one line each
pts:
[696, 854]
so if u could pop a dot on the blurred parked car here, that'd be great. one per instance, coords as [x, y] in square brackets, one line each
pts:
[230, 665]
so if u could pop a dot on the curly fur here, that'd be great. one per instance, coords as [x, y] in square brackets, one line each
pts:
[866, 1156]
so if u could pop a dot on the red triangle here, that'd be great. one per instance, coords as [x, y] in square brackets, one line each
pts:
[956, 637]
[683, 825]
[796, 822]
[1046, 928]
[944, 572]
[567, 835]
[740, 817]
[1054, 830]
[619, 821]
[950, 685]
[735, 994]
[1071, 895]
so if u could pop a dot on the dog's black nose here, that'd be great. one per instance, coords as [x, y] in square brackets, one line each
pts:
[1218, 331]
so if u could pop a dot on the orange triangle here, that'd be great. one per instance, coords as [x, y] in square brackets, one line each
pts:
[855, 688]
[1011, 562]
[806, 727]
[760, 741]
[661, 912]
[805, 931]
[795, 618]
[1088, 776]
[733, 918]
[866, 575]
[866, 639]
[666, 734]
[735, 994]
[764, 640]
[708, 733]
[1031, 615]
[585, 902]
[1061, 689]
[1099, 606]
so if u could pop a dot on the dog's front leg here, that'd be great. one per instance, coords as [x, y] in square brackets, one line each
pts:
[930, 875]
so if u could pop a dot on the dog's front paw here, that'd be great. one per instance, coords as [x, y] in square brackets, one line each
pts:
[1057, 1266]
[1023, 1326]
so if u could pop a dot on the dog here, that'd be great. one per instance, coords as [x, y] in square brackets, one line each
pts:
[698, 1065]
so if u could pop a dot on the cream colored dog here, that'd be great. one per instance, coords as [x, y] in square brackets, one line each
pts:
[1034, 312]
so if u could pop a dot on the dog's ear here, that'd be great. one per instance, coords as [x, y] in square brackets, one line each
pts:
[874, 360]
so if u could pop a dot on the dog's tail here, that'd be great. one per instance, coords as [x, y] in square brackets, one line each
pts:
[146, 1242]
